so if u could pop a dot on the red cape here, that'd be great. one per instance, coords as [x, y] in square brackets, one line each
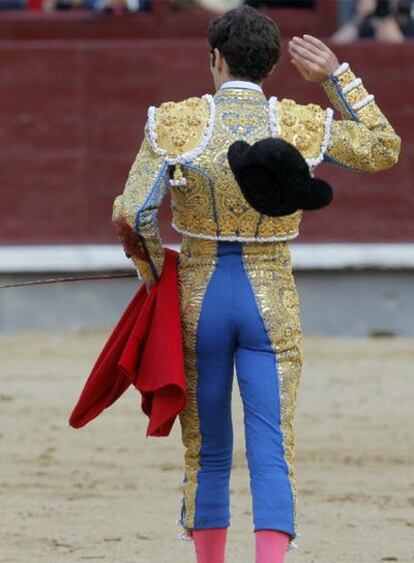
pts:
[145, 350]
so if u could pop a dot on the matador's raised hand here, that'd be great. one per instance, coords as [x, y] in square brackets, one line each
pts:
[313, 59]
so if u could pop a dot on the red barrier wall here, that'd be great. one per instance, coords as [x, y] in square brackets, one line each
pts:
[72, 115]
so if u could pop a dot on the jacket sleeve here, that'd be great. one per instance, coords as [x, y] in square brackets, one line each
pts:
[364, 139]
[135, 212]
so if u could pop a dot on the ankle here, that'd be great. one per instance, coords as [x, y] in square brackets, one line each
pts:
[271, 546]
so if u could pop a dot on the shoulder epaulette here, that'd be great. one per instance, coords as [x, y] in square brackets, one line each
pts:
[181, 131]
[307, 127]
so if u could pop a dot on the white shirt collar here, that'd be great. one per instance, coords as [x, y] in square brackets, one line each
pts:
[246, 84]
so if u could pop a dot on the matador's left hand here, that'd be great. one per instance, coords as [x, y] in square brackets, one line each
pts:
[313, 59]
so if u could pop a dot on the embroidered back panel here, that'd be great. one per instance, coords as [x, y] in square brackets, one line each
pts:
[206, 200]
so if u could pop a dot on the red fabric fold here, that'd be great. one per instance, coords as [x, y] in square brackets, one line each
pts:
[145, 350]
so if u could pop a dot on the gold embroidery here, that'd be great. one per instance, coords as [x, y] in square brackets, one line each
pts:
[211, 204]
[346, 77]
[180, 126]
[302, 125]
[356, 95]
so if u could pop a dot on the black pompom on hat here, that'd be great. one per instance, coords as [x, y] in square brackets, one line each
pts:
[275, 178]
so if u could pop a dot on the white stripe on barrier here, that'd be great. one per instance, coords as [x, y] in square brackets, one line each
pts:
[101, 257]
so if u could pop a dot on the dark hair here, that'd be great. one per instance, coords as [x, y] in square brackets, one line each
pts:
[248, 40]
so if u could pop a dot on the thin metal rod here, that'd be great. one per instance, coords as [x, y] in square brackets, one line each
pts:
[68, 279]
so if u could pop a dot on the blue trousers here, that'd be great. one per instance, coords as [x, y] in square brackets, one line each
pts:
[224, 328]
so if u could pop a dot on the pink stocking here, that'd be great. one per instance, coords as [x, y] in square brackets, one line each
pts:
[271, 546]
[210, 545]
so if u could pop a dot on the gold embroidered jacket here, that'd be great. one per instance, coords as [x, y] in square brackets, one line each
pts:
[185, 150]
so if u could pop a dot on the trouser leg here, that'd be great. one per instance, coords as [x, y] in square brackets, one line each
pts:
[268, 363]
[206, 420]
[269, 474]
[248, 302]
[214, 352]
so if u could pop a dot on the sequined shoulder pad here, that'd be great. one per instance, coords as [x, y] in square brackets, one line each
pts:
[307, 127]
[181, 131]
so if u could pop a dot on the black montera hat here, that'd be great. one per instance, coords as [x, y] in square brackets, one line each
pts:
[275, 179]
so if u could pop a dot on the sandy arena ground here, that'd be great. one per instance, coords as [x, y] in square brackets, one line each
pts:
[107, 493]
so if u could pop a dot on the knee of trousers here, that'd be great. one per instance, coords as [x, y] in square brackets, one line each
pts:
[206, 483]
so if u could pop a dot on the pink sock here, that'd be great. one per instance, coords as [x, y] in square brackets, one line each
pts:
[210, 545]
[271, 546]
